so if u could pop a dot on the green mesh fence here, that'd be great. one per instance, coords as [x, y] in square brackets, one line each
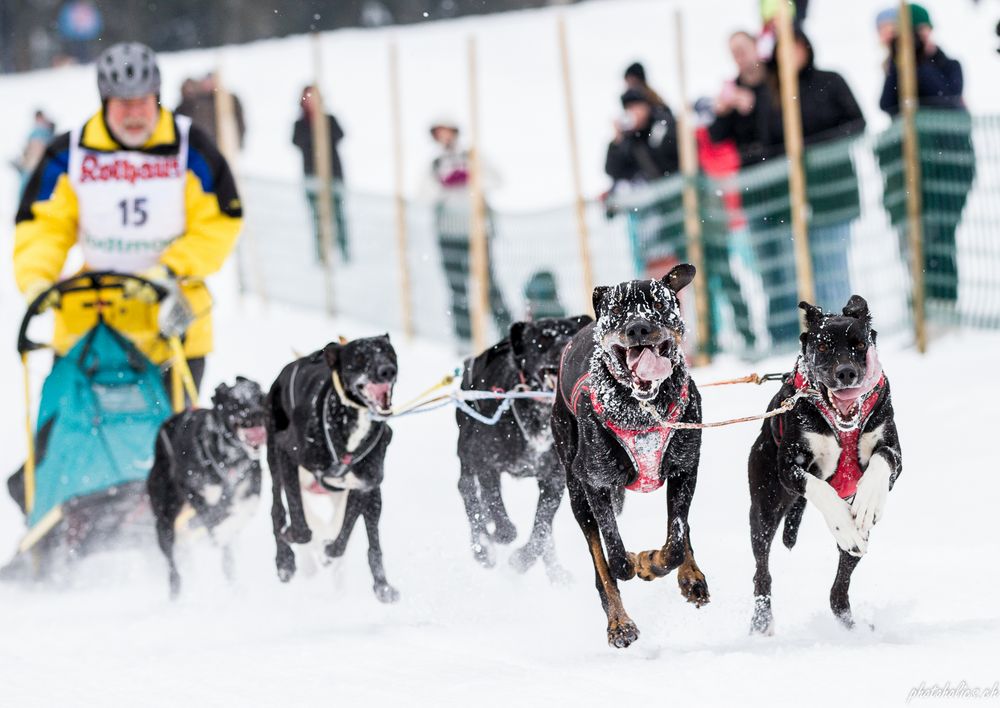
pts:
[856, 220]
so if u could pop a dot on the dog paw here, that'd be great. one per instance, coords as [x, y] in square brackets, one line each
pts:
[285, 563]
[483, 552]
[296, 534]
[523, 558]
[386, 593]
[693, 585]
[845, 617]
[871, 496]
[621, 566]
[504, 532]
[763, 621]
[622, 633]
[175, 585]
[332, 550]
[646, 567]
[558, 575]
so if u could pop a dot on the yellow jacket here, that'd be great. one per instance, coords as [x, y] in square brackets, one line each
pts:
[48, 227]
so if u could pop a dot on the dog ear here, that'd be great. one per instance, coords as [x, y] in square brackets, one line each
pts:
[857, 307]
[581, 321]
[814, 315]
[331, 353]
[599, 292]
[386, 337]
[679, 276]
[517, 338]
[220, 394]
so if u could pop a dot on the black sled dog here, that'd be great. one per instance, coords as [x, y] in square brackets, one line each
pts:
[206, 470]
[622, 382]
[520, 443]
[837, 449]
[326, 450]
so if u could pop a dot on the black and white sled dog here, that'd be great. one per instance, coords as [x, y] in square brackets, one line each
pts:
[327, 452]
[837, 448]
[623, 381]
[206, 470]
[520, 443]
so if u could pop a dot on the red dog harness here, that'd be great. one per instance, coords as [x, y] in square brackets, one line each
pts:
[845, 478]
[645, 446]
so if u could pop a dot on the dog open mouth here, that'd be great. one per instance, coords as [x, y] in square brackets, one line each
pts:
[378, 396]
[549, 379]
[254, 437]
[647, 365]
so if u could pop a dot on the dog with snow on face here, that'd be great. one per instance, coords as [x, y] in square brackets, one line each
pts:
[837, 449]
[520, 443]
[327, 440]
[206, 469]
[622, 382]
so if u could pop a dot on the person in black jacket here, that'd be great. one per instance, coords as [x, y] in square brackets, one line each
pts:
[735, 107]
[302, 138]
[644, 148]
[644, 151]
[947, 157]
[829, 112]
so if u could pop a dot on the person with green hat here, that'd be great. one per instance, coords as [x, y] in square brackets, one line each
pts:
[947, 157]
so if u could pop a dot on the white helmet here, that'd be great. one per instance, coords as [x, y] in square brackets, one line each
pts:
[127, 70]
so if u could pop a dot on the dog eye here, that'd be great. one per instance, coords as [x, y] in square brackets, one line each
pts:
[822, 348]
[616, 311]
[861, 346]
[658, 305]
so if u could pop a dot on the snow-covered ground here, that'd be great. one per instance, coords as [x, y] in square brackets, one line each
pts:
[462, 634]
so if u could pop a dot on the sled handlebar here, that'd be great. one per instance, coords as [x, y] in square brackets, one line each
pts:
[92, 281]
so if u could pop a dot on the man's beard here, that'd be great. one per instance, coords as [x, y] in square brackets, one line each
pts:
[136, 138]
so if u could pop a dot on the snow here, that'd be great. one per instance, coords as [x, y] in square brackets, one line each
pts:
[461, 634]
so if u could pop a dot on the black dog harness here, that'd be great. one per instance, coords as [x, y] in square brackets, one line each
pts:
[645, 446]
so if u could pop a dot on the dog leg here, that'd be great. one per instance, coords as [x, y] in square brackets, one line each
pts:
[550, 493]
[285, 557]
[873, 492]
[676, 548]
[482, 546]
[837, 514]
[228, 567]
[621, 629]
[373, 511]
[165, 537]
[840, 603]
[763, 526]
[336, 548]
[298, 530]
[504, 530]
[620, 563]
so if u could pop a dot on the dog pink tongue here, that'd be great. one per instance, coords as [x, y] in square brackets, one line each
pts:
[255, 436]
[380, 394]
[648, 365]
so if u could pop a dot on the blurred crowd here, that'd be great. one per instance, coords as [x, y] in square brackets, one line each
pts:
[742, 127]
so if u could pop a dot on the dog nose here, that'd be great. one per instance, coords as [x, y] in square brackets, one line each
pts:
[386, 372]
[846, 374]
[638, 330]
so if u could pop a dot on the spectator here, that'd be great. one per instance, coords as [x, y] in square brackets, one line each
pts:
[635, 78]
[947, 164]
[736, 105]
[450, 174]
[829, 111]
[644, 148]
[302, 137]
[198, 104]
[42, 132]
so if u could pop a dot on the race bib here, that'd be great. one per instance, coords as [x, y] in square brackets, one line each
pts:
[131, 203]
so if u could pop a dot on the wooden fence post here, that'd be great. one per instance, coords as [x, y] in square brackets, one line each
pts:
[688, 153]
[907, 72]
[478, 250]
[791, 112]
[583, 233]
[324, 177]
[406, 303]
